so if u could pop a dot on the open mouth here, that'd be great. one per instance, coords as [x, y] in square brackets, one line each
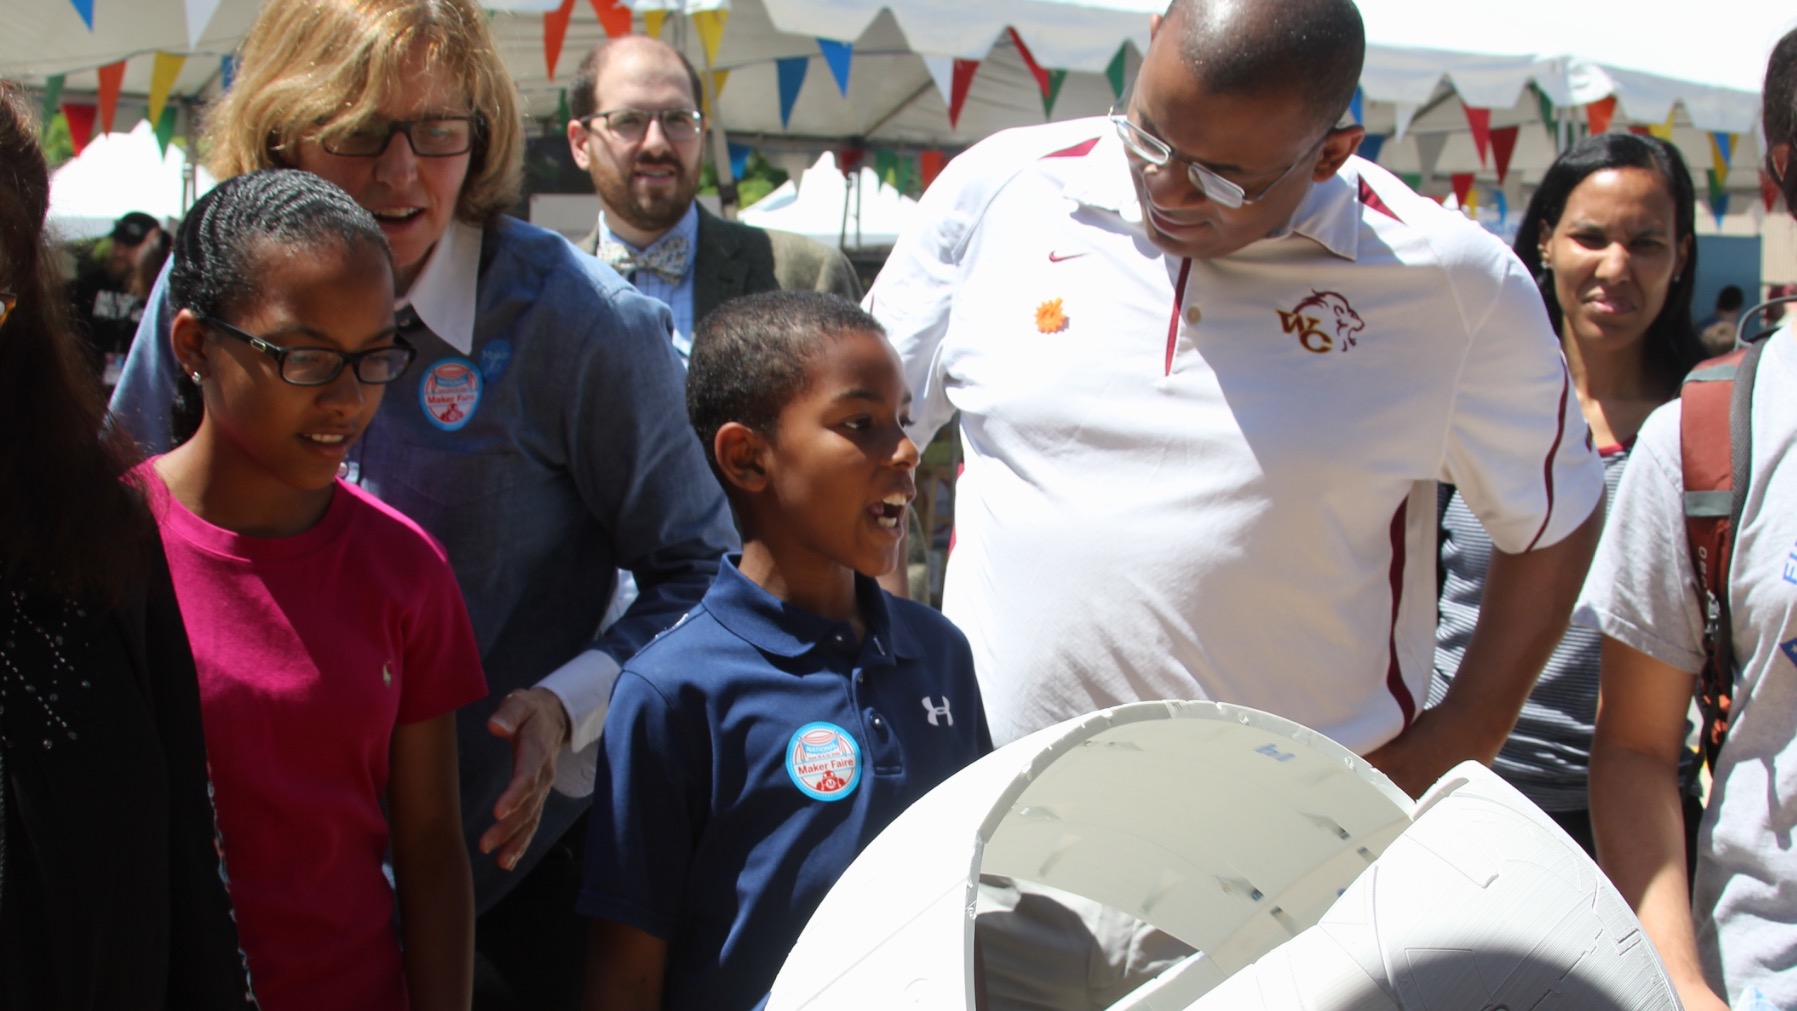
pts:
[889, 511]
[397, 216]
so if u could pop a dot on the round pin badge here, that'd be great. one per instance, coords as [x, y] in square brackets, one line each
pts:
[824, 761]
[450, 392]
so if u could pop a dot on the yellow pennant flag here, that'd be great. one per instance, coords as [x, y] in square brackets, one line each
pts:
[652, 21]
[162, 81]
[1471, 204]
[1719, 157]
[710, 25]
[718, 77]
[1664, 130]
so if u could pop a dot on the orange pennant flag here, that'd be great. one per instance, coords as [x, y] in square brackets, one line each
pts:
[111, 77]
[929, 165]
[1598, 114]
[614, 17]
[555, 32]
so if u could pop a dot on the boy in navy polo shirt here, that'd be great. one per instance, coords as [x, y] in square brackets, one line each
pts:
[756, 747]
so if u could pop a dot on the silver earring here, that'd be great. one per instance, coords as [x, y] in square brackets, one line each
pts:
[196, 376]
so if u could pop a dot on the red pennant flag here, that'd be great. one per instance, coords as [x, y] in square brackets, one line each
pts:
[957, 91]
[1480, 121]
[1641, 130]
[1029, 61]
[555, 31]
[1598, 114]
[1768, 188]
[849, 159]
[929, 165]
[110, 78]
[1503, 145]
[1463, 184]
[614, 17]
[80, 117]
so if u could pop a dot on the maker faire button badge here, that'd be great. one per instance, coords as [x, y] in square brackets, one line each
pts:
[450, 392]
[823, 761]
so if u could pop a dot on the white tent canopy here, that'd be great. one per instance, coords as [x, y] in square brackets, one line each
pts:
[835, 209]
[116, 174]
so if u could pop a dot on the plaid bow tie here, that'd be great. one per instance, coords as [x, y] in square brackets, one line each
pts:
[668, 260]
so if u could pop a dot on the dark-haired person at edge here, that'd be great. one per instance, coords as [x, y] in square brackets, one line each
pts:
[539, 436]
[111, 897]
[107, 297]
[1210, 367]
[1728, 935]
[1717, 331]
[1608, 237]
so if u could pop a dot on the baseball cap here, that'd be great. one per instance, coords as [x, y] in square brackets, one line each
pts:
[132, 228]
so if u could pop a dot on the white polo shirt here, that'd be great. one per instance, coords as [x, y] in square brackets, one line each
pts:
[1215, 478]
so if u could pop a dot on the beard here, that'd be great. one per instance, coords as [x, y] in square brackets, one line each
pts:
[648, 212]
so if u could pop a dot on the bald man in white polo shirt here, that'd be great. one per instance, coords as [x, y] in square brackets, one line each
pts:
[1210, 367]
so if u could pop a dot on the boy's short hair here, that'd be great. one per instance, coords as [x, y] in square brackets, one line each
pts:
[751, 357]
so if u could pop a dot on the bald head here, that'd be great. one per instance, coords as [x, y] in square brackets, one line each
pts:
[1310, 48]
[583, 99]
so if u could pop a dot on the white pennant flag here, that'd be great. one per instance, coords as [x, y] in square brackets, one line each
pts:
[199, 15]
[942, 71]
[1405, 113]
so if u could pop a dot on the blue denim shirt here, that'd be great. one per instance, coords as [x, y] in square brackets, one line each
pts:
[565, 455]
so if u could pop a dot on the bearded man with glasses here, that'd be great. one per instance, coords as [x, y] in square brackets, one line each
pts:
[1210, 367]
[637, 129]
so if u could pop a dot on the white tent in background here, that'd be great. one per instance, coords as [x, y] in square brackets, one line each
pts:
[833, 209]
[115, 174]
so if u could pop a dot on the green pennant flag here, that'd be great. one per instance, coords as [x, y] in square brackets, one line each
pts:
[1055, 79]
[1414, 180]
[562, 113]
[886, 166]
[907, 173]
[52, 100]
[165, 128]
[1114, 72]
[1716, 189]
[1548, 120]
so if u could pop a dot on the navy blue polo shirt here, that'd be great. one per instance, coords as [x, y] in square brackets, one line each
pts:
[750, 753]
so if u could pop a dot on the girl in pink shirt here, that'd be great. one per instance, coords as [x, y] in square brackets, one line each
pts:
[329, 634]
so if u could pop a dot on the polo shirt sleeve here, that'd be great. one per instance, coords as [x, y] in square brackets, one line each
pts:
[647, 812]
[442, 660]
[915, 292]
[1517, 446]
[1639, 589]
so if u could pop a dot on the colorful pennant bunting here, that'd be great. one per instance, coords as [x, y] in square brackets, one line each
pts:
[1055, 80]
[790, 73]
[849, 159]
[1428, 152]
[1371, 145]
[929, 165]
[1463, 188]
[886, 167]
[85, 8]
[1503, 207]
[907, 173]
[1503, 145]
[739, 159]
[162, 81]
[1480, 122]
[1722, 149]
[964, 70]
[1414, 180]
[1664, 130]
[555, 32]
[80, 117]
[1029, 61]
[1550, 117]
[942, 72]
[227, 72]
[1599, 113]
[1112, 73]
[838, 55]
[718, 79]
[563, 114]
[1719, 207]
[710, 26]
[652, 22]
[112, 76]
[165, 128]
[614, 17]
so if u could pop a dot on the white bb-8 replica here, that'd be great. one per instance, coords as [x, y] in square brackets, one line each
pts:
[1304, 878]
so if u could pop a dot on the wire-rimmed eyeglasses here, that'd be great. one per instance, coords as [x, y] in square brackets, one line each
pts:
[313, 366]
[1159, 153]
[633, 124]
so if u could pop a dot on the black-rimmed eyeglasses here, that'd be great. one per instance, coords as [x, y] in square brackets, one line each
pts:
[633, 124]
[1159, 153]
[430, 137]
[321, 366]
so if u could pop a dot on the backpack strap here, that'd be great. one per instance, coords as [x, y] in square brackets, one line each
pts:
[1716, 452]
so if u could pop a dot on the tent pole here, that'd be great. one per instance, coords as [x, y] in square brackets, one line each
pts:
[720, 140]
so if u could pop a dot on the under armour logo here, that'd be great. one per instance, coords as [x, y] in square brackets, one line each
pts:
[934, 710]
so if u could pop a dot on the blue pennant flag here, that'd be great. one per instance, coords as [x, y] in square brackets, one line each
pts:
[739, 159]
[1371, 145]
[837, 55]
[792, 77]
[1355, 106]
[227, 72]
[1502, 205]
[1725, 145]
[85, 8]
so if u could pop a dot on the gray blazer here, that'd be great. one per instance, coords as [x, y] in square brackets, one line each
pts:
[736, 259]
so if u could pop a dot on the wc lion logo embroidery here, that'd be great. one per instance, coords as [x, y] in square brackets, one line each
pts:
[1314, 318]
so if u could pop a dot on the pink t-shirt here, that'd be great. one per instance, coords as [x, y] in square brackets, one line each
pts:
[310, 649]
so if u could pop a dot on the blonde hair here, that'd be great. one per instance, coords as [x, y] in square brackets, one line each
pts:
[327, 65]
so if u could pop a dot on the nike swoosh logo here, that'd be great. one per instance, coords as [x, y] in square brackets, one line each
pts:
[1054, 257]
